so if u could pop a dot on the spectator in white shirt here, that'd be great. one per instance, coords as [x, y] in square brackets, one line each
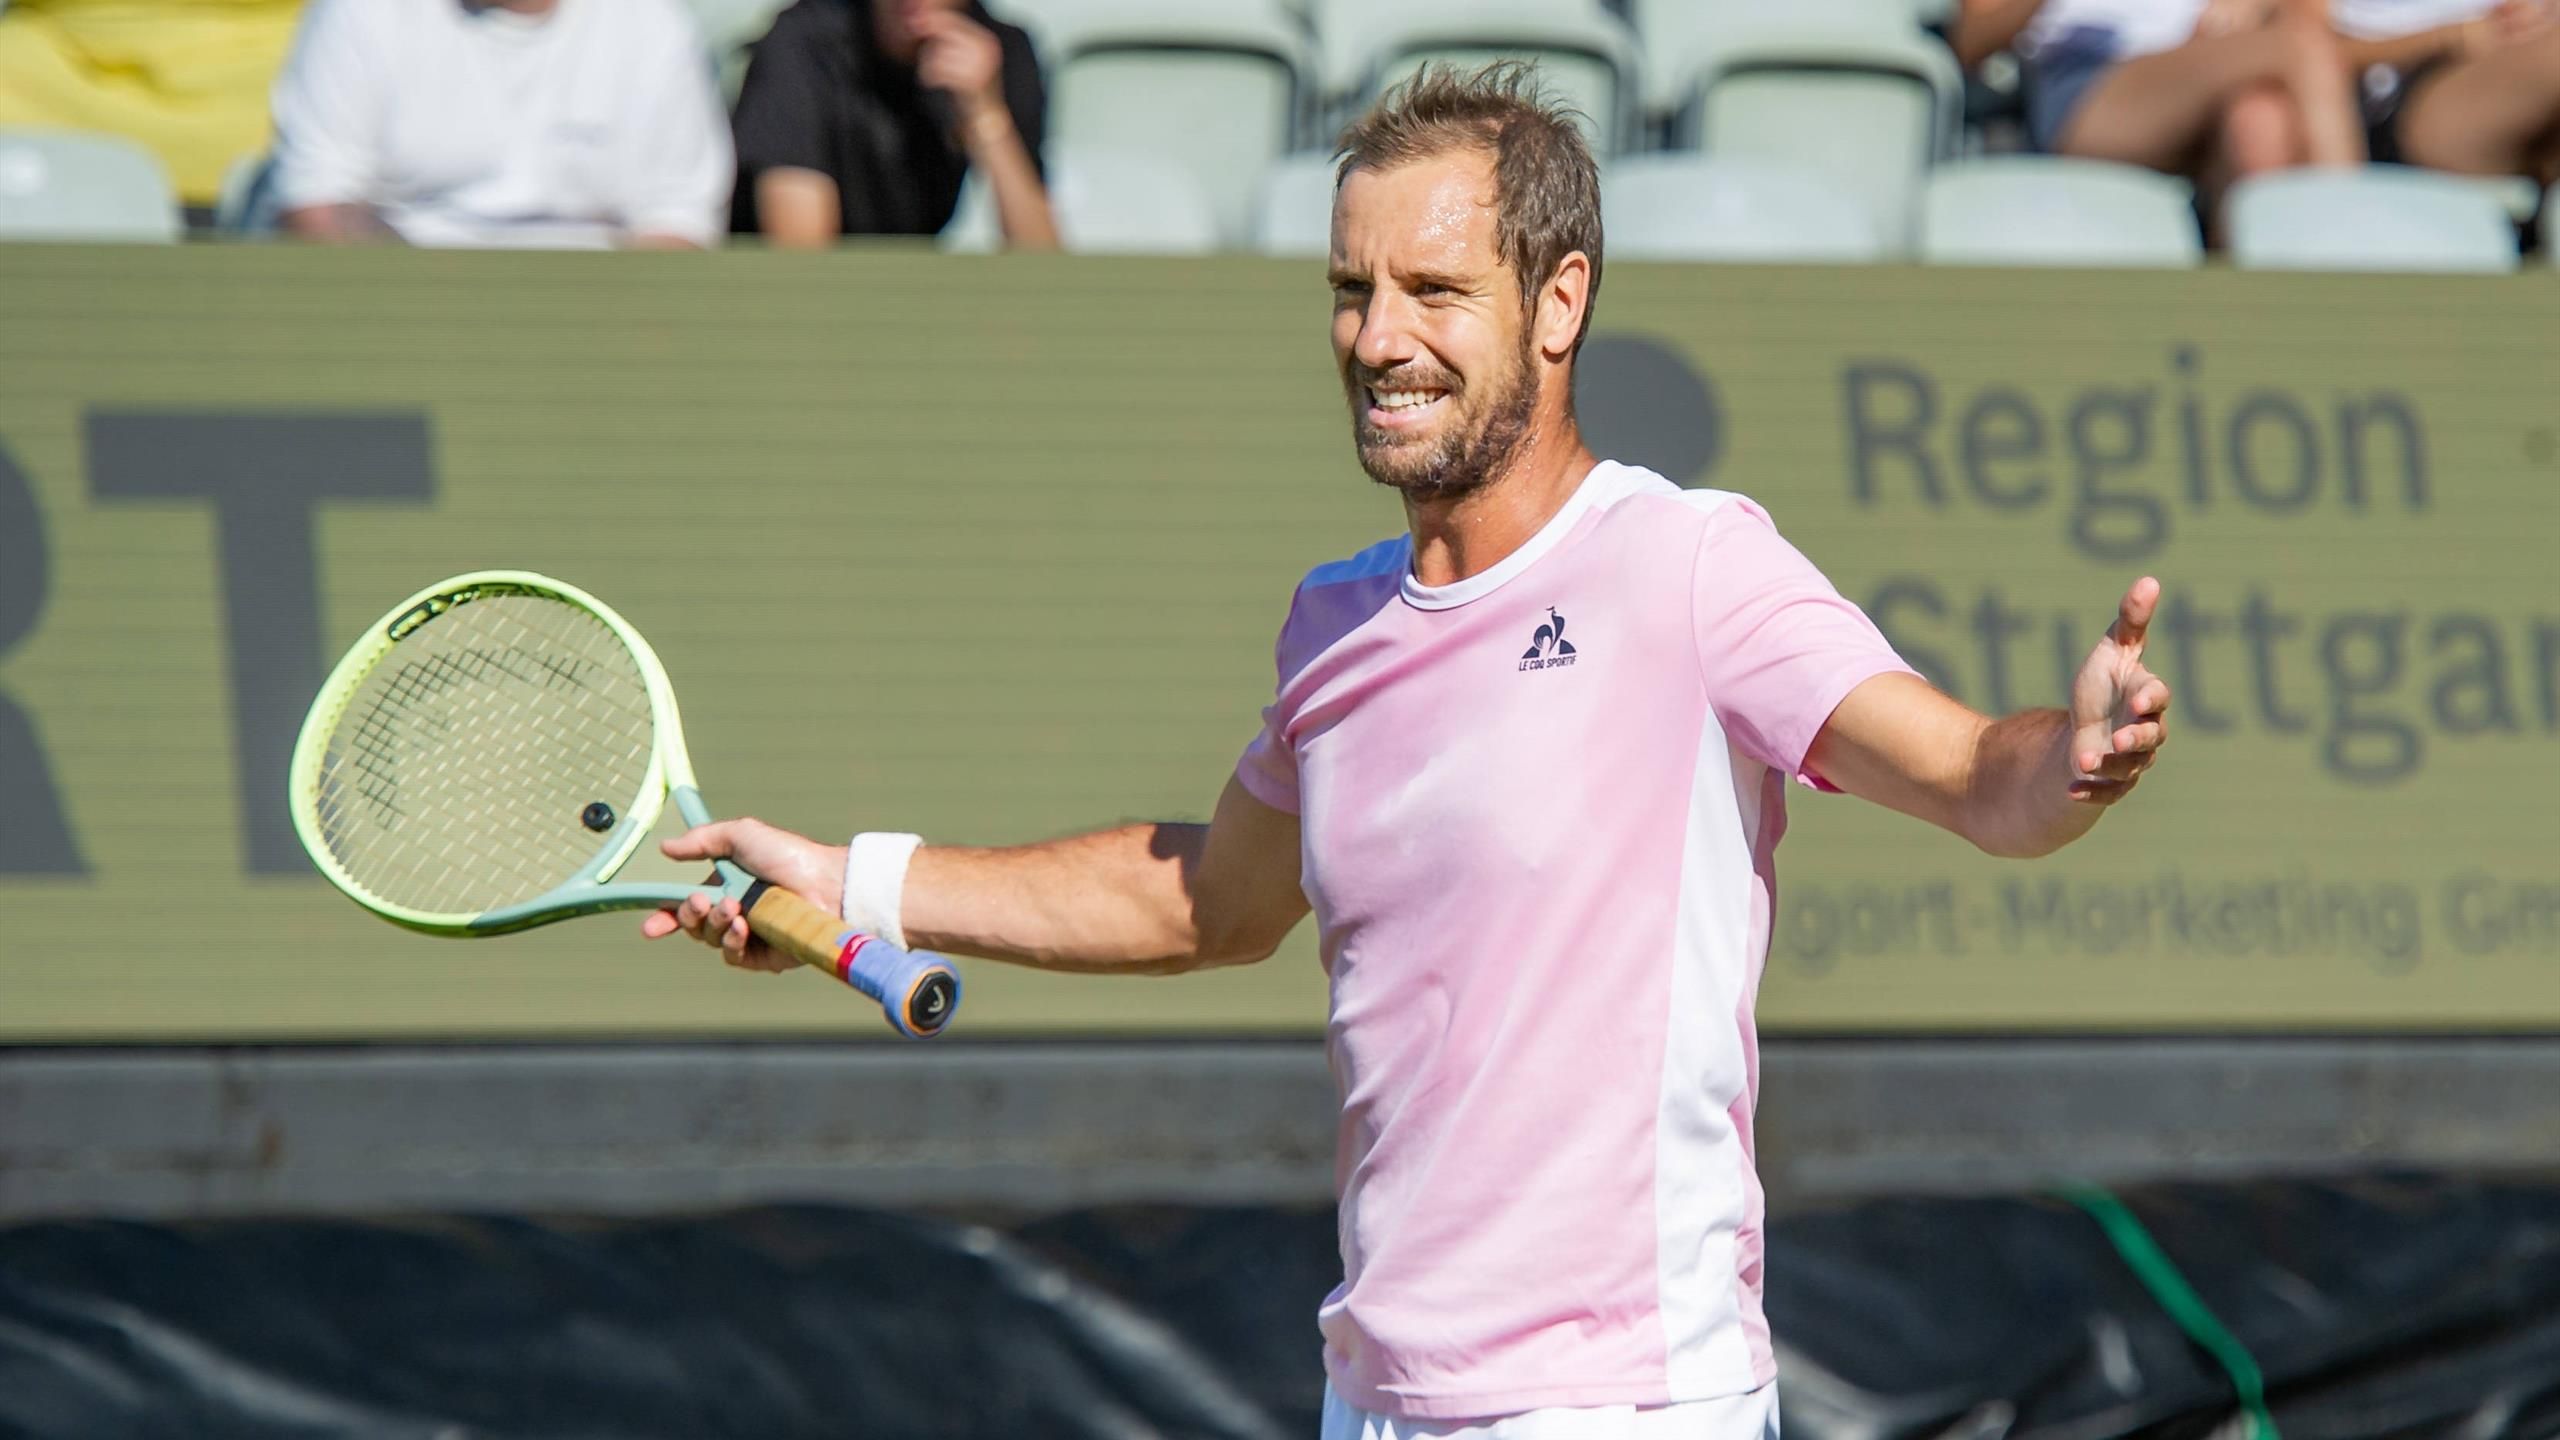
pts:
[520, 123]
[2209, 89]
[2466, 85]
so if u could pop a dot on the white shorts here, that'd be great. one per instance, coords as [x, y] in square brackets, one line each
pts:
[1727, 1417]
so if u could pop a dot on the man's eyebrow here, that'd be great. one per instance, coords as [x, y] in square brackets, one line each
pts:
[1338, 277]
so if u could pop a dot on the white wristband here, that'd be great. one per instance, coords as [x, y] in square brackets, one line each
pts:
[875, 877]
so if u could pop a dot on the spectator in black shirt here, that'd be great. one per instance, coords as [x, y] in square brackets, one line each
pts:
[862, 117]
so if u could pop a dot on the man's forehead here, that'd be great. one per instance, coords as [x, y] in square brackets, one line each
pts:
[1438, 211]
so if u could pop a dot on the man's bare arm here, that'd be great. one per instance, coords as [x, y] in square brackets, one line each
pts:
[798, 209]
[1022, 201]
[1147, 899]
[350, 223]
[2022, 786]
[1150, 899]
[965, 61]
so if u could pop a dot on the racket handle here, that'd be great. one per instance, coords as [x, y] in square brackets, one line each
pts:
[918, 991]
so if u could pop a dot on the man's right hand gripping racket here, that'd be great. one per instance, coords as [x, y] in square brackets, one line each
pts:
[493, 750]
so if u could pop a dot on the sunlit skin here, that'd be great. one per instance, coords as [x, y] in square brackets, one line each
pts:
[1424, 302]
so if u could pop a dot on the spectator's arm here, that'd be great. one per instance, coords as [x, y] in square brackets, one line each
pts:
[964, 60]
[782, 123]
[679, 187]
[353, 223]
[2405, 52]
[799, 209]
[1984, 28]
[327, 103]
[1022, 200]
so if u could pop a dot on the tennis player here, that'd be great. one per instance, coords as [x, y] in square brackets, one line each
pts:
[1528, 764]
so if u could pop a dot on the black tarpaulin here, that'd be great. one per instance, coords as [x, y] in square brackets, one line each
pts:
[2380, 1307]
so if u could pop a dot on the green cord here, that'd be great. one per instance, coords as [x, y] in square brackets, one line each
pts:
[2179, 1300]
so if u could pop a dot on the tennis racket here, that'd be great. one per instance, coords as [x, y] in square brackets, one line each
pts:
[493, 750]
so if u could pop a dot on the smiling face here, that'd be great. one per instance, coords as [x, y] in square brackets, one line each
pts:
[1430, 331]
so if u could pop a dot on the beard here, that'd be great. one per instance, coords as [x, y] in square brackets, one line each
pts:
[1466, 456]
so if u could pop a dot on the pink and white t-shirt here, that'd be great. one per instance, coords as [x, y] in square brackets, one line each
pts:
[1539, 810]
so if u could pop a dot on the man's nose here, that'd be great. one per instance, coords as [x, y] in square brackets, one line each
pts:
[1386, 340]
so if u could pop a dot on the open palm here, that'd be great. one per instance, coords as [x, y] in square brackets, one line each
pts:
[2119, 709]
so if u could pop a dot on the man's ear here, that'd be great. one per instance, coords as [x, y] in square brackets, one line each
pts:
[1562, 304]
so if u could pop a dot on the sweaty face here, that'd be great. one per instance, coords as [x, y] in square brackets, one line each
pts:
[1429, 331]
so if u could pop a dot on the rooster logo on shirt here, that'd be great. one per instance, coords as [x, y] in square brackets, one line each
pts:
[1548, 649]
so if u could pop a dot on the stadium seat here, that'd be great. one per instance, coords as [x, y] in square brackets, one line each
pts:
[1586, 55]
[1687, 207]
[2050, 210]
[70, 185]
[1107, 201]
[729, 28]
[1849, 88]
[1294, 213]
[1221, 88]
[2378, 217]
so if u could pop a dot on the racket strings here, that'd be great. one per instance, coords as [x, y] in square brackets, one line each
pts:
[456, 777]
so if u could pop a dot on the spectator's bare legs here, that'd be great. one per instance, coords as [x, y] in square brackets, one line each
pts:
[2223, 106]
[2496, 113]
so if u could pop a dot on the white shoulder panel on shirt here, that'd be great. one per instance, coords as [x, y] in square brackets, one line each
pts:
[1611, 481]
[1707, 502]
[1387, 557]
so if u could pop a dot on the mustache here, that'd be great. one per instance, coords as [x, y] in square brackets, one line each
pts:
[1405, 377]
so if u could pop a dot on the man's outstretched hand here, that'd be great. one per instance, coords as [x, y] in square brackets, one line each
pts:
[797, 863]
[2119, 709]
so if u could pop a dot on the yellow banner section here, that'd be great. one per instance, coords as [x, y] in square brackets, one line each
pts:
[994, 549]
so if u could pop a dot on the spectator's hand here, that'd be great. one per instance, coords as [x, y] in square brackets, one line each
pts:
[960, 57]
[2507, 24]
[2230, 17]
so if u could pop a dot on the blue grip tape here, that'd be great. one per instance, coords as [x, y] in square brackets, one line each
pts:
[904, 982]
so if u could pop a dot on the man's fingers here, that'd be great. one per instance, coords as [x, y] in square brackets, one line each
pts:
[2145, 737]
[2133, 616]
[2102, 792]
[659, 924]
[2147, 697]
[715, 841]
[2122, 767]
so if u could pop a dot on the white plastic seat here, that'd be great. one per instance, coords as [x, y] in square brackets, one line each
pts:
[1586, 56]
[2053, 210]
[1106, 201]
[1690, 207]
[729, 27]
[1849, 88]
[72, 185]
[1293, 216]
[2378, 217]
[1219, 86]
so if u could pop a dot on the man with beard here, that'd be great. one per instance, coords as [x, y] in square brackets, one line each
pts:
[1542, 878]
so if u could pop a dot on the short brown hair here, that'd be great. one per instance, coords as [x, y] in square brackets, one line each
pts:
[1546, 185]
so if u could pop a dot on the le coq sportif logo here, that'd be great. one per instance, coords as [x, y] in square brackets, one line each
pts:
[1548, 649]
